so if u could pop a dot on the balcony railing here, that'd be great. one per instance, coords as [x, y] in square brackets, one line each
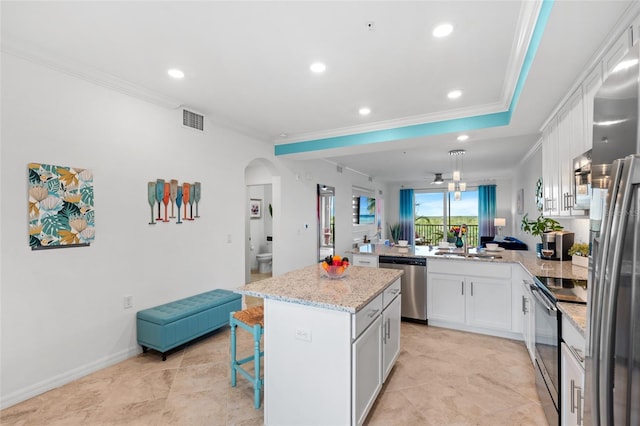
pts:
[432, 234]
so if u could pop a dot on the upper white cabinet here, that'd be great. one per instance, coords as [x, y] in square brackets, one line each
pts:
[590, 87]
[570, 132]
[615, 53]
[550, 169]
[635, 30]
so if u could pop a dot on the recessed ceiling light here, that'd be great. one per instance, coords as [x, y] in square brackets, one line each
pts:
[463, 138]
[364, 111]
[283, 135]
[442, 30]
[175, 73]
[318, 67]
[454, 94]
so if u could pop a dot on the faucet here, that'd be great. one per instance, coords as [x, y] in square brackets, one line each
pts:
[463, 232]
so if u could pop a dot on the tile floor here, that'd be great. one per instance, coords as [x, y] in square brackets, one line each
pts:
[442, 377]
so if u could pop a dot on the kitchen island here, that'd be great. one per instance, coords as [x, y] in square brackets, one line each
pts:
[329, 343]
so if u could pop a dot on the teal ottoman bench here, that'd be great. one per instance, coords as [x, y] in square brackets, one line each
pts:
[167, 326]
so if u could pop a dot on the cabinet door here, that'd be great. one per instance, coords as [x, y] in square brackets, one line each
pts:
[489, 303]
[390, 336]
[366, 370]
[565, 162]
[591, 85]
[445, 298]
[365, 260]
[550, 169]
[572, 388]
[615, 53]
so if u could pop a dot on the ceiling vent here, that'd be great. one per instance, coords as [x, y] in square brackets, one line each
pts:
[193, 120]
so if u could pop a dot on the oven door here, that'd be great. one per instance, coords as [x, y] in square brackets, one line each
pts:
[546, 344]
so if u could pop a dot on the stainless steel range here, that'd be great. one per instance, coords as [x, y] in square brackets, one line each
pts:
[547, 293]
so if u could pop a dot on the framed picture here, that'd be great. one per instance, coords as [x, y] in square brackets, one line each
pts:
[255, 208]
[520, 201]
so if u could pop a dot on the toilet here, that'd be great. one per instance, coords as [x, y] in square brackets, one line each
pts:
[264, 259]
[264, 262]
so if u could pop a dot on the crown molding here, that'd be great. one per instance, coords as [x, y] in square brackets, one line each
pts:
[87, 73]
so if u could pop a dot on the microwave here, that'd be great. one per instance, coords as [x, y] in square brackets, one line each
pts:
[582, 181]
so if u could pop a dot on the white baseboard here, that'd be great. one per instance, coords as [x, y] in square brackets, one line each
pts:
[67, 377]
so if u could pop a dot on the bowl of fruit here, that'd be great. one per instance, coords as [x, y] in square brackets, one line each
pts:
[335, 266]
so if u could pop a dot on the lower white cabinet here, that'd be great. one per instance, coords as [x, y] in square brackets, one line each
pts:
[445, 298]
[572, 387]
[390, 336]
[367, 371]
[479, 300]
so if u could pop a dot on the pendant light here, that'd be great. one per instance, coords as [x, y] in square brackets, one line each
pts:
[457, 187]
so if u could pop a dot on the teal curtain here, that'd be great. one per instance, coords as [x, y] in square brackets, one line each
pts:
[406, 215]
[486, 210]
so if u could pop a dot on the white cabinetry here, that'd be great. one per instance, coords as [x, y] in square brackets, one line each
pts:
[477, 297]
[572, 387]
[367, 374]
[339, 358]
[615, 53]
[550, 169]
[390, 335]
[523, 307]
[572, 372]
[590, 87]
[369, 260]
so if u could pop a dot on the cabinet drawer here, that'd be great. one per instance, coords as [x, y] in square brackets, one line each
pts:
[573, 338]
[365, 260]
[390, 293]
[470, 268]
[365, 316]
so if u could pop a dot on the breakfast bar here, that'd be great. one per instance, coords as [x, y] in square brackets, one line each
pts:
[329, 343]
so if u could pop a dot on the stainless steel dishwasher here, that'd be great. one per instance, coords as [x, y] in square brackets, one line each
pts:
[413, 284]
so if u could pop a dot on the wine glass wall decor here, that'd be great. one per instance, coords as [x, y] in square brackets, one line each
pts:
[161, 192]
[61, 212]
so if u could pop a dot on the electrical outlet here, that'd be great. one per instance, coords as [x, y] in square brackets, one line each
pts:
[303, 334]
[128, 302]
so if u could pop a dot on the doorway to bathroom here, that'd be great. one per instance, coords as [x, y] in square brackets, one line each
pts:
[260, 231]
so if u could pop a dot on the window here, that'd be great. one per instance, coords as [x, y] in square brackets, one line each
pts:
[437, 212]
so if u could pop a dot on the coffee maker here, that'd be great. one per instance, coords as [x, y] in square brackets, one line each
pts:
[556, 245]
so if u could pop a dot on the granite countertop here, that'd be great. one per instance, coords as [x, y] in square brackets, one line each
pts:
[309, 286]
[528, 259]
[576, 314]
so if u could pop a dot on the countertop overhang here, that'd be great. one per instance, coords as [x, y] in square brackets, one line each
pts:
[309, 286]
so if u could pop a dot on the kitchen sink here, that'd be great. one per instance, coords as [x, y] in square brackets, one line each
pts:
[454, 255]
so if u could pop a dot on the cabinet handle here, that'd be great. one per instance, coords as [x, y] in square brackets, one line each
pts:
[462, 287]
[579, 406]
[471, 288]
[573, 394]
[395, 291]
[524, 307]
[388, 328]
[373, 313]
[577, 353]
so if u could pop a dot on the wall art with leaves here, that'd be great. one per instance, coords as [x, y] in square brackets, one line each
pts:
[61, 212]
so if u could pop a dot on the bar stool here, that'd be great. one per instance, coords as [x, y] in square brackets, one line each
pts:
[252, 320]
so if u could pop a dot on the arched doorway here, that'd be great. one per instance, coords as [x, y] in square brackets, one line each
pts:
[262, 186]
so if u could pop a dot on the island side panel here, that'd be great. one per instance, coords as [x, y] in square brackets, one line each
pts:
[307, 365]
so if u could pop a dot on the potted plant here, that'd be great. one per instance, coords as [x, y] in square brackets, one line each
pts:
[539, 227]
[394, 232]
[579, 253]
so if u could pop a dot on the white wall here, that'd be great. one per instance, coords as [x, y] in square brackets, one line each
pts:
[62, 312]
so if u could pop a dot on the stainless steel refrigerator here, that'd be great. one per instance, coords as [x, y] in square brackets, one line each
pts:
[612, 390]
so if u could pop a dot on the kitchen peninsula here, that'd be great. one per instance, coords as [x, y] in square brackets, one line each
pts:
[329, 343]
